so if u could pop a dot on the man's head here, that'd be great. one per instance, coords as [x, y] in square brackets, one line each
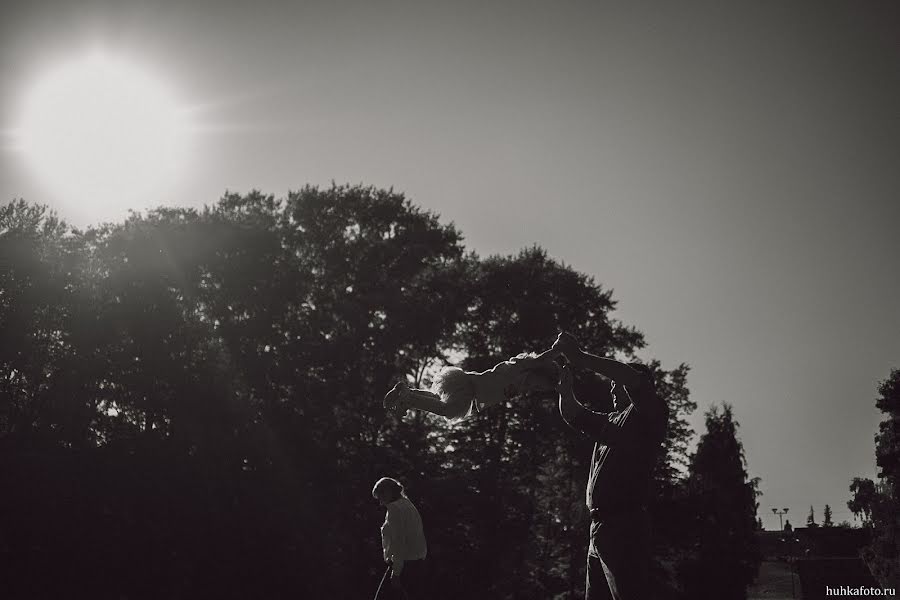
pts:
[387, 490]
[619, 393]
[642, 368]
[620, 397]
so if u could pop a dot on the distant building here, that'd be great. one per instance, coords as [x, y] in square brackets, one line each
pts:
[830, 542]
[821, 556]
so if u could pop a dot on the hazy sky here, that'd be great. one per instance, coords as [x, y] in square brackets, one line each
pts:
[730, 170]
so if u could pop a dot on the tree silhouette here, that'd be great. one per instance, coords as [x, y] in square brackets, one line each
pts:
[726, 555]
[811, 518]
[826, 517]
[865, 495]
[883, 554]
[191, 398]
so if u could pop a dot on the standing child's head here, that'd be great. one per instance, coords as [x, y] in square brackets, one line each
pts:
[387, 490]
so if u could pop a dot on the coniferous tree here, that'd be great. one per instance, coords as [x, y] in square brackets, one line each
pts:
[726, 555]
[826, 517]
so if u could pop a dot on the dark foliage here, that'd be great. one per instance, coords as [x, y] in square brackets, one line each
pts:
[724, 556]
[878, 504]
[190, 403]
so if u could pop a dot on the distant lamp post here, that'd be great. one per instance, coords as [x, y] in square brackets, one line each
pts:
[780, 514]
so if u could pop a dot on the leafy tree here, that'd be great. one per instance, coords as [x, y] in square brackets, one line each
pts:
[203, 390]
[883, 555]
[39, 305]
[726, 557]
[235, 359]
[670, 509]
[864, 498]
[387, 289]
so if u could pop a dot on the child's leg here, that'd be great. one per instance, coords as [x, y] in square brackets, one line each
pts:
[427, 401]
[401, 398]
[392, 398]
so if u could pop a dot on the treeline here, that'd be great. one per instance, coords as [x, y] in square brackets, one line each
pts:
[190, 407]
[877, 503]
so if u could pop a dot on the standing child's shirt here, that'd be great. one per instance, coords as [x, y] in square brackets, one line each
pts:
[402, 536]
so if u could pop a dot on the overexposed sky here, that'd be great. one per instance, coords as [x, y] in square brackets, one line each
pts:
[730, 170]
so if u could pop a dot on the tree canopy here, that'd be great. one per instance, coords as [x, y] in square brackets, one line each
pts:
[878, 503]
[191, 401]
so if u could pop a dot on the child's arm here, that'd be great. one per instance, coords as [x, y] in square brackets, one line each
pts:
[567, 345]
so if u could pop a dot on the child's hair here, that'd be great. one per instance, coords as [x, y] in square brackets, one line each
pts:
[457, 390]
[453, 381]
[390, 485]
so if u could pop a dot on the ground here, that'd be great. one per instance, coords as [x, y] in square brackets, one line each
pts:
[774, 582]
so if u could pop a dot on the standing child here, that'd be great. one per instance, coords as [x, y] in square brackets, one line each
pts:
[402, 540]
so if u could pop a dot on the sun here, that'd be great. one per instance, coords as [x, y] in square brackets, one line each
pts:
[103, 131]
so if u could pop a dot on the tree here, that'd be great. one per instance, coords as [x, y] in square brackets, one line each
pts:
[826, 518]
[212, 381]
[203, 388]
[41, 300]
[670, 512]
[883, 554]
[726, 556]
[811, 518]
[864, 498]
[388, 288]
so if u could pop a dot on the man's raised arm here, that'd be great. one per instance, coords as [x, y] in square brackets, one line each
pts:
[639, 384]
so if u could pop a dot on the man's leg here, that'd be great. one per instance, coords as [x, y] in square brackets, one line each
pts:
[624, 550]
[595, 586]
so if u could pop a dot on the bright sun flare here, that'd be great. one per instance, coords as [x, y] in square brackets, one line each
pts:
[102, 131]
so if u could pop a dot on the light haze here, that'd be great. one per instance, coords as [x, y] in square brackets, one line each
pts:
[730, 170]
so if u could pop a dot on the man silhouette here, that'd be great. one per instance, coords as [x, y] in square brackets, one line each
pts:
[627, 444]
